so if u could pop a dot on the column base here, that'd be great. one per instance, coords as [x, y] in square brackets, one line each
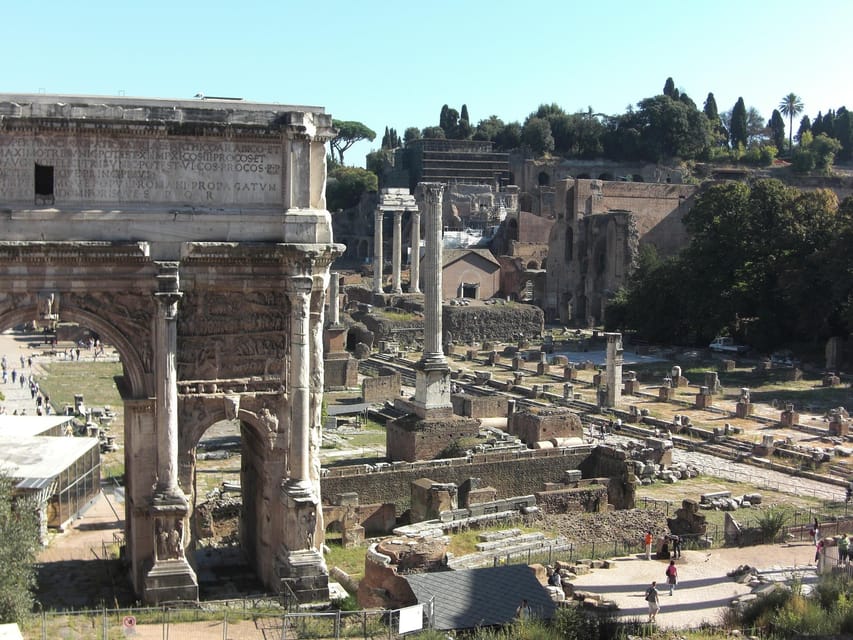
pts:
[170, 580]
[303, 575]
[300, 493]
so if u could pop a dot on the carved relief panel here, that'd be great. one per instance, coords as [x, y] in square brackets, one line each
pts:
[225, 335]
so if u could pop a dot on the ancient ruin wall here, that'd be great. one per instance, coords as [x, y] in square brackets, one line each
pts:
[510, 474]
[472, 325]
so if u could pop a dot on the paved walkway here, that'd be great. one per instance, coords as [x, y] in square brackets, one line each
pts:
[766, 478]
[704, 589]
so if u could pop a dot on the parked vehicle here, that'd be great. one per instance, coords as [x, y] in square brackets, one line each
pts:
[724, 344]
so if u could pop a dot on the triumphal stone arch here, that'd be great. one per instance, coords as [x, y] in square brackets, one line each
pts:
[192, 235]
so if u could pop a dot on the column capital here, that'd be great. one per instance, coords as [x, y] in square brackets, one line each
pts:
[432, 191]
[299, 285]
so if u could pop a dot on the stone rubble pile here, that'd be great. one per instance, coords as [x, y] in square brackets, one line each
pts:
[724, 501]
[647, 472]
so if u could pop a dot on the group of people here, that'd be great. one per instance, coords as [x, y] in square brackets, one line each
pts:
[842, 544]
[24, 380]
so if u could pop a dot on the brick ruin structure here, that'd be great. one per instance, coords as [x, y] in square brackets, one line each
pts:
[193, 236]
[595, 240]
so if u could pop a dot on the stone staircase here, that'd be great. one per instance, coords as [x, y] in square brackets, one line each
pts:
[519, 547]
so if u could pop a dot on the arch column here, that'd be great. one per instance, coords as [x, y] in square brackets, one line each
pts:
[171, 577]
[300, 566]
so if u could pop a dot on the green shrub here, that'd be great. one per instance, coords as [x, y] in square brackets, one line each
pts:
[770, 523]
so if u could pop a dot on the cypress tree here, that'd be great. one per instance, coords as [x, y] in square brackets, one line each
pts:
[738, 130]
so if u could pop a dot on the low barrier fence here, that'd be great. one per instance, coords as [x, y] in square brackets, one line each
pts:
[244, 619]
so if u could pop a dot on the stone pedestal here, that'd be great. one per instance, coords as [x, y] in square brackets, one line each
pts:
[727, 365]
[352, 537]
[542, 369]
[743, 409]
[830, 380]
[666, 394]
[703, 399]
[494, 358]
[789, 417]
[303, 575]
[171, 580]
[516, 363]
[839, 428]
[597, 379]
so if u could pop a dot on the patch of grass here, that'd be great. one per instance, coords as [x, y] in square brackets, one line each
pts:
[351, 561]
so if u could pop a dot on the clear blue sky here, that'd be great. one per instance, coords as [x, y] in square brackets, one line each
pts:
[396, 63]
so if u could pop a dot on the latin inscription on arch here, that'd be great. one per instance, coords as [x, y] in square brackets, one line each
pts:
[144, 171]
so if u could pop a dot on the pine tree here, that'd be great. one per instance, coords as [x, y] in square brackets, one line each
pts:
[669, 88]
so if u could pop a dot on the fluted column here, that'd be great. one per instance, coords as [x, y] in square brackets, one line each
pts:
[166, 345]
[377, 251]
[396, 253]
[415, 259]
[433, 192]
[299, 387]
[334, 303]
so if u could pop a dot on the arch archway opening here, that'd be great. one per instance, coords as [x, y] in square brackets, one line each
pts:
[227, 477]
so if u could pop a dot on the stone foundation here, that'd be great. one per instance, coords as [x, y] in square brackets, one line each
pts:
[411, 438]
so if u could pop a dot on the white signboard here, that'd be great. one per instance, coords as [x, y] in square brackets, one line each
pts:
[412, 619]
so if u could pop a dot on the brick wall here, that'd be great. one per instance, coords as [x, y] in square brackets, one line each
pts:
[382, 388]
[511, 474]
[479, 406]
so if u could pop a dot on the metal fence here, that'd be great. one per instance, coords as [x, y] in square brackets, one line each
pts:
[244, 619]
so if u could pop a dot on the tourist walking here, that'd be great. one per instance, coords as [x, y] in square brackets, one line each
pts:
[648, 542]
[653, 598]
[671, 576]
[676, 546]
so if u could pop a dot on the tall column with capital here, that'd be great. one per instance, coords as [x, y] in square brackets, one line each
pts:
[168, 294]
[171, 577]
[433, 192]
[432, 376]
[396, 253]
[415, 258]
[299, 484]
[299, 563]
[377, 251]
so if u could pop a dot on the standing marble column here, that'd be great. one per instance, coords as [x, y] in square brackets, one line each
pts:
[396, 252]
[432, 375]
[415, 259]
[433, 192]
[377, 251]
[615, 360]
[166, 346]
[334, 303]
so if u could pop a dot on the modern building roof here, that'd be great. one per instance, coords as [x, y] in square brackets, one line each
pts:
[32, 458]
[480, 597]
[18, 426]
[449, 256]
